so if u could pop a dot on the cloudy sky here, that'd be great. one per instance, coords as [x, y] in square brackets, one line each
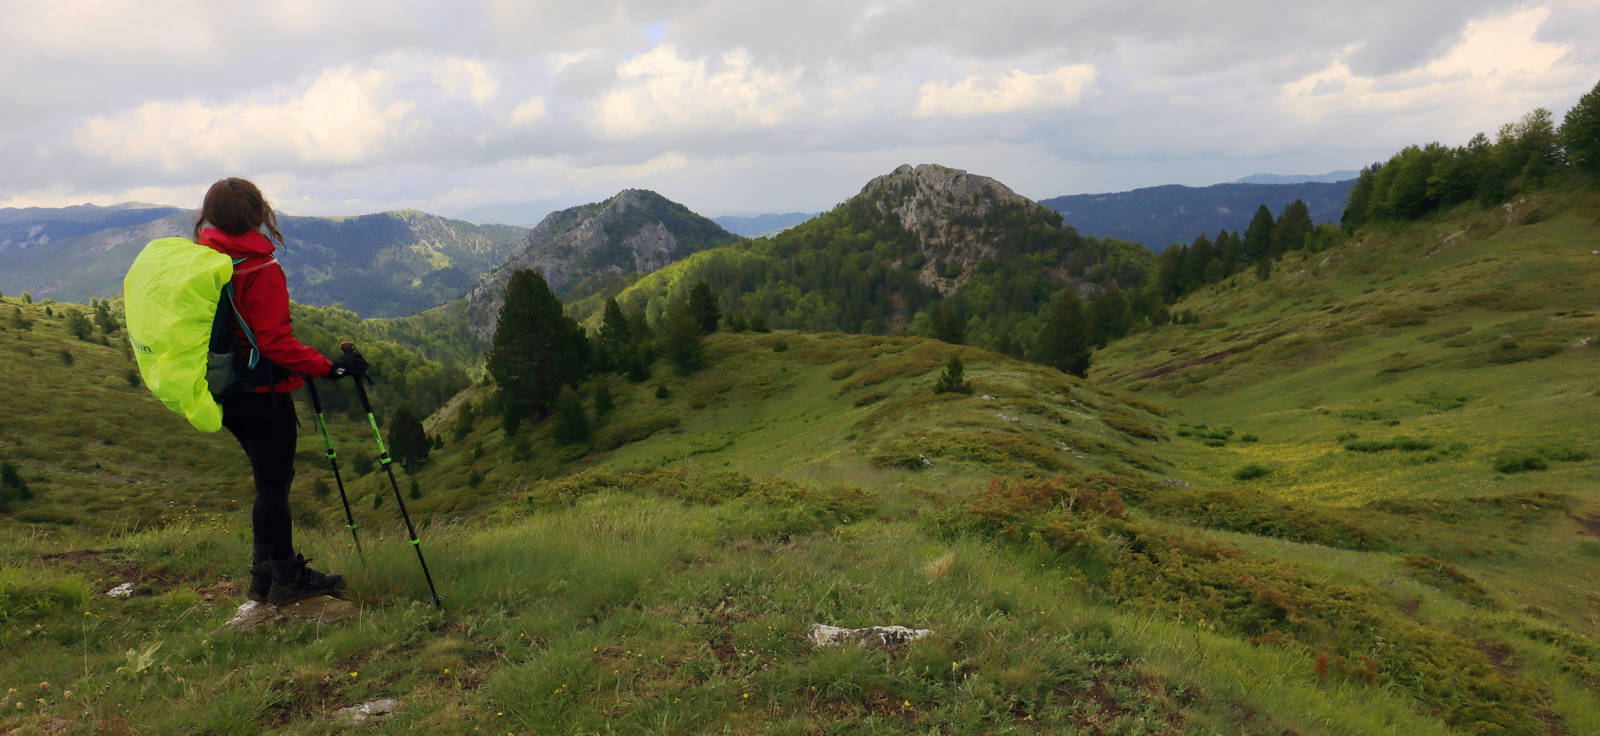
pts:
[738, 106]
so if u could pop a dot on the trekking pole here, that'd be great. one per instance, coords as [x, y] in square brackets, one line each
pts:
[383, 459]
[327, 441]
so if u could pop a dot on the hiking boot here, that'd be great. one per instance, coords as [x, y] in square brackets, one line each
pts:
[260, 582]
[292, 580]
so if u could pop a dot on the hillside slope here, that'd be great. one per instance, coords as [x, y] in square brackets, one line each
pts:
[662, 576]
[913, 241]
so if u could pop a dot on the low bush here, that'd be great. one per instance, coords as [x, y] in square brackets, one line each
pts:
[1250, 472]
[1520, 462]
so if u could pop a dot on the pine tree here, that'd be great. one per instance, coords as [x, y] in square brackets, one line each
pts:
[572, 421]
[948, 326]
[680, 338]
[463, 424]
[103, 318]
[537, 348]
[703, 306]
[604, 402]
[953, 379]
[1580, 134]
[1258, 237]
[78, 325]
[1293, 225]
[408, 443]
[615, 335]
[1063, 340]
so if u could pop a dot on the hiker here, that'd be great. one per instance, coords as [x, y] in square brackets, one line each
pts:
[261, 414]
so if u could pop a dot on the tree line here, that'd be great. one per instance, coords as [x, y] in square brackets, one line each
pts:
[1524, 156]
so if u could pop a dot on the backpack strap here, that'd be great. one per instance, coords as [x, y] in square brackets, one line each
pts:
[227, 293]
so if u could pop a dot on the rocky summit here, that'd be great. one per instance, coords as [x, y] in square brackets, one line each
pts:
[635, 231]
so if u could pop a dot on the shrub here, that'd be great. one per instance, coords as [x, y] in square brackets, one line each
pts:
[1564, 453]
[361, 463]
[1250, 472]
[1520, 463]
[572, 420]
[474, 478]
[320, 488]
[952, 380]
[662, 392]
[66, 356]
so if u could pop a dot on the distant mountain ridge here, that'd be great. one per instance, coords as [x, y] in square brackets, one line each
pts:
[1160, 216]
[27, 227]
[754, 226]
[578, 249]
[1328, 178]
[387, 264]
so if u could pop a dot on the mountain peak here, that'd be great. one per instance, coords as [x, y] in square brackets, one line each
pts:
[633, 231]
[946, 210]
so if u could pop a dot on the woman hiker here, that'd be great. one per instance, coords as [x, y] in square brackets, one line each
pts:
[261, 414]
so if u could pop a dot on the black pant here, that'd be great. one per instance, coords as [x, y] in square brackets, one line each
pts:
[266, 427]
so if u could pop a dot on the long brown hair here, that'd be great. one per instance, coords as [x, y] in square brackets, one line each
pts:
[235, 206]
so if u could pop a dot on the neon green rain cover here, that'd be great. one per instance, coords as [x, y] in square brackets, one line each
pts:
[171, 294]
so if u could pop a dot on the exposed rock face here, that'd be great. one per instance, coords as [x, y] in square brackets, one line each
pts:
[944, 209]
[636, 231]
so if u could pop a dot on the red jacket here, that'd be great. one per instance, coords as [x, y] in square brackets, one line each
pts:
[262, 295]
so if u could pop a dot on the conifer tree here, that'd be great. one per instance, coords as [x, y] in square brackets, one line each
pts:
[537, 348]
[1580, 134]
[1258, 237]
[604, 402]
[103, 318]
[572, 421]
[680, 338]
[703, 306]
[948, 326]
[78, 325]
[1063, 340]
[953, 379]
[615, 335]
[408, 443]
[1293, 225]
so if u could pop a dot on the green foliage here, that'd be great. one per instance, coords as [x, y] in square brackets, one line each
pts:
[408, 443]
[466, 415]
[703, 307]
[1580, 134]
[572, 420]
[604, 402]
[320, 488]
[952, 380]
[1520, 462]
[680, 338]
[416, 490]
[537, 347]
[78, 325]
[1250, 471]
[66, 356]
[27, 596]
[948, 325]
[27, 298]
[360, 463]
[1063, 339]
[662, 392]
[12, 487]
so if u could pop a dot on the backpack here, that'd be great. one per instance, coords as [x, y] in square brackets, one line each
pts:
[180, 311]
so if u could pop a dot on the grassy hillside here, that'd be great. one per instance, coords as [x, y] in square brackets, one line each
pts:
[661, 577]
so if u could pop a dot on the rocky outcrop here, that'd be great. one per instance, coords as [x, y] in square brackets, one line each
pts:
[947, 211]
[636, 231]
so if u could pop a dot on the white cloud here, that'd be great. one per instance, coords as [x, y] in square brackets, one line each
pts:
[662, 92]
[1498, 70]
[1015, 91]
[530, 112]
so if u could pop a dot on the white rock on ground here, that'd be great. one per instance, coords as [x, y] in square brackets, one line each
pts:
[360, 713]
[124, 590]
[320, 609]
[823, 635]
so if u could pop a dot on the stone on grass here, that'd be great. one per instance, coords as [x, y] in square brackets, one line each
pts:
[124, 590]
[823, 635]
[319, 609]
[374, 709]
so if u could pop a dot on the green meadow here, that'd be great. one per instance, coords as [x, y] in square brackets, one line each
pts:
[1357, 497]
